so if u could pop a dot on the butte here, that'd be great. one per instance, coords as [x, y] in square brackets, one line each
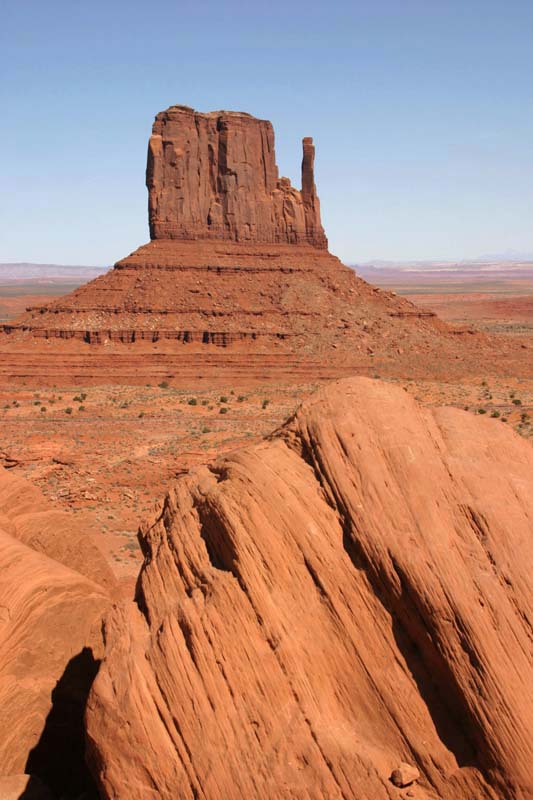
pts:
[236, 282]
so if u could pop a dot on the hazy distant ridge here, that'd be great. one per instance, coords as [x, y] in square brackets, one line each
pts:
[43, 273]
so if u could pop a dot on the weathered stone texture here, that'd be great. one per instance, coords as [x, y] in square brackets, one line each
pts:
[214, 176]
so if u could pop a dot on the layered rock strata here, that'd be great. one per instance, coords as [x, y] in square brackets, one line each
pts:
[347, 601]
[238, 261]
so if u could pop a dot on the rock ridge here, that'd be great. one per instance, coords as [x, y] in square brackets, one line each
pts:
[350, 595]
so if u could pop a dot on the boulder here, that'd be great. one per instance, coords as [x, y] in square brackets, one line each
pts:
[404, 775]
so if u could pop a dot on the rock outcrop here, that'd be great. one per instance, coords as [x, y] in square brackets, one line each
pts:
[27, 515]
[238, 262]
[350, 595]
[214, 176]
[50, 641]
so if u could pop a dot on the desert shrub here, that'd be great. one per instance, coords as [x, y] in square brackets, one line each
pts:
[81, 408]
[206, 430]
[36, 402]
[495, 414]
[241, 398]
[517, 402]
[504, 419]
[205, 402]
[265, 403]
[223, 410]
[193, 401]
[223, 399]
[141, 414]
[481, 411]
[43, 409]
[68, 410]
[163, 385]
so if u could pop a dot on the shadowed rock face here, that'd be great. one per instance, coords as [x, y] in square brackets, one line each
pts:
[348, 597]
[214, 176]
[54, 589]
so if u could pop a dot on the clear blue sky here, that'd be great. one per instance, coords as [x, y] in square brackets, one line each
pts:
[421, 111]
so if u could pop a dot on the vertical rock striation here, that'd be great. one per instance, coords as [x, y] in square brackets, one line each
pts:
[214, 176]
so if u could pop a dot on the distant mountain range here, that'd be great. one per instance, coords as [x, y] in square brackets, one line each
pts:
[21, 272]
[479, 264]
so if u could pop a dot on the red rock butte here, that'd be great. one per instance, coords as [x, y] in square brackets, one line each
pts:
[237, 269]
[214, 176]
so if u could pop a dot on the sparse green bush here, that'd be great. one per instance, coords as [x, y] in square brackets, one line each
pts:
[223, 399]
[163, 385]
[241, 398]
[517, 402]
[68, 410]
[265, 403]
[81, 408]
[206, 430]
[495, 414]
[193, 401]
[481, 411]
[43, 409]
[223, 410]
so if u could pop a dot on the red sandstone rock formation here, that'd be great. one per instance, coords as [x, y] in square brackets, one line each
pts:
[238, 262]
[50, 640]
[28, 516]
[348, 598]
[214, 176]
